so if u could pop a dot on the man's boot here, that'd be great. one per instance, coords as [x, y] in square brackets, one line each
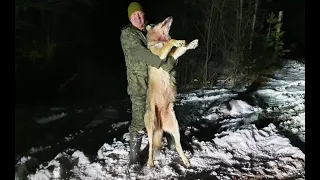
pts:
[135, 144]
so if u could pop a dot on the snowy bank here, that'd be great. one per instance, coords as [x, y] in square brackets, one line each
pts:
[223, 136]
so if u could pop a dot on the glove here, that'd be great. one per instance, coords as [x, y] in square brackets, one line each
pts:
[169, 64]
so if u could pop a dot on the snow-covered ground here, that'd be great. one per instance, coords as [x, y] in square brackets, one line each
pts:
[224, 135]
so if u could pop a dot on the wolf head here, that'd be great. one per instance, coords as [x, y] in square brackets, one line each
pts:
[160, 31]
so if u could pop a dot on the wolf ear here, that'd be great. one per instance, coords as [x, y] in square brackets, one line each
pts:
[148, 27]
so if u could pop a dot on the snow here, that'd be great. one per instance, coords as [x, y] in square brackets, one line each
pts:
[247, 147]
[252, 148]
[51, 118]
[58, 108]
[37, 149]
[117, 125]
[224, 138]
[296, 125]
[23, 160]
[106, 113]
[286, 91]
[100, 118]
[207, 95]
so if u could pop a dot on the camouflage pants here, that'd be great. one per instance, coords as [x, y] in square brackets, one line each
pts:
[138, 111]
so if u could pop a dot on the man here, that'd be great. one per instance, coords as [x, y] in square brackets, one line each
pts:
[138, 58]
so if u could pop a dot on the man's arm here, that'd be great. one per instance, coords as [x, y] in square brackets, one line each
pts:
[137, 49]
[169, 64]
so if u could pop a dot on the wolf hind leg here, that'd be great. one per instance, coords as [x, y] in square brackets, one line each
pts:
[157, 139]
[171, 126]
[149, 124]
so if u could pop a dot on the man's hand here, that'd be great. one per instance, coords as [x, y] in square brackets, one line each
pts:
[169, 64]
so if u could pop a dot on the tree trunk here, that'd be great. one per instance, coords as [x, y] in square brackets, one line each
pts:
[253, 22]
[279, 20]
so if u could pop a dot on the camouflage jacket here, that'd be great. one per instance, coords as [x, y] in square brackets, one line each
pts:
[137, 59]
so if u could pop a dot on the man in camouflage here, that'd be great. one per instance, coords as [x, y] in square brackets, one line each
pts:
[138, 58]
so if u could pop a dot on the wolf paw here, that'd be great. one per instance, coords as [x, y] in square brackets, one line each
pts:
[150, 164]
[187, 163]
[179, 43]
[193, 44]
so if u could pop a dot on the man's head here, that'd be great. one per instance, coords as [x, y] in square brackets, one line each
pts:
[136, 15]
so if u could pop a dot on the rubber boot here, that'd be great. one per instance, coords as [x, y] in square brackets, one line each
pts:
[135, 144]
[134, 154]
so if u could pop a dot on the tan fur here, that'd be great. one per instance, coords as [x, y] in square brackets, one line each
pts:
[161, 93]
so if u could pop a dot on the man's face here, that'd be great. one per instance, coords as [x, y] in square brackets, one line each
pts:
[137, 19]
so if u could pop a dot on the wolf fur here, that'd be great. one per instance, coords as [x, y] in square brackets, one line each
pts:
[160, 115]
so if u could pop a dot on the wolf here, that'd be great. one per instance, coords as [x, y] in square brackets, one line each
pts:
[160, 115]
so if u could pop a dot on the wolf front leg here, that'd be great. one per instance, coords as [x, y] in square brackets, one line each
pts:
[164, 51]
[181, 50]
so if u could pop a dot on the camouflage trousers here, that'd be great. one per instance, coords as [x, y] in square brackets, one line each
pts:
[138, 111]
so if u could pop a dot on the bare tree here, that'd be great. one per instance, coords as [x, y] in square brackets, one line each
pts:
[253, 22]
[227, 30]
